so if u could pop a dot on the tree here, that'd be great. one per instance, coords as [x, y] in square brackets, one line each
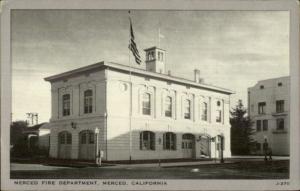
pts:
[241, 130]
[17, 139]
[16, 131]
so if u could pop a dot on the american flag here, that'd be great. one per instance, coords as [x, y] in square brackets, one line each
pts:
[133, 47]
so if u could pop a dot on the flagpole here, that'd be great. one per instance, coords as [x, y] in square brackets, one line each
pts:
[130, 97]
[158, 37]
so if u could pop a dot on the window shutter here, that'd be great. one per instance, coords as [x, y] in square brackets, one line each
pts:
[175, 141]
[164, 141]
[141, 141]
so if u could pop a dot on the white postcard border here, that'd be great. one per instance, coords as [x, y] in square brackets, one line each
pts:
[259, 5]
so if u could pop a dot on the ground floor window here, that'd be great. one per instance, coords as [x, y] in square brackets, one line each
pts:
[187, 141]
[169, 141]
[65, 138]
[87, 137]
[265, 125]
[258, 125]
[147, 140]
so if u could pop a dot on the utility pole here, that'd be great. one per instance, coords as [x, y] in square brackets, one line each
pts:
[31, 116]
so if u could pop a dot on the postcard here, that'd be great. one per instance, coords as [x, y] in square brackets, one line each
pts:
[150, 95]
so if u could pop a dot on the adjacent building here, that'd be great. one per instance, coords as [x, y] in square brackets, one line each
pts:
[269, 108]
[38, 136]
[137, 114]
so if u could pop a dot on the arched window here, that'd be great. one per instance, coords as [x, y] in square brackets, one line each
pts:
[169, 141]
[168, 106]
[204, 111]
[147, 140]
[65, 137]
[188, 136]
[146, 104]
[66, 104]
[187, 141]
[87, 137]
[88, 101]
[187, 109]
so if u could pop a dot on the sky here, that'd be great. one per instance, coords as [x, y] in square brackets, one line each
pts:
[232, 49]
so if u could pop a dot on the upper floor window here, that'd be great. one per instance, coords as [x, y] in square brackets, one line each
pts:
[146, 104]
[168, 106]
[219, 116]
[261, 87]
[204, 111]
[279, 84]
[169, 141]
[265, 125]
[219, 112]
[147, 140]
[279, 106]
[88, 101]
[261, 107]
[280, 124]
[187, 109]
[66, 104]
[258, 125]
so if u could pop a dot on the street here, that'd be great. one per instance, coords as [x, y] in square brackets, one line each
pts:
[248, 169]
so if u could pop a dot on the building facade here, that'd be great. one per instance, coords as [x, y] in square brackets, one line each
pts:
[140, 113]
[269, 106]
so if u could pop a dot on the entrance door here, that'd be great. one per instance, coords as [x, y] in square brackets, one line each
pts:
[87, 148]
[205, 147]
[188, 145]
[64, 145]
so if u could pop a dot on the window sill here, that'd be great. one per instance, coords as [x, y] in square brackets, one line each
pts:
[259, 114]
[146, 116]
[279, 131]
[278, 114]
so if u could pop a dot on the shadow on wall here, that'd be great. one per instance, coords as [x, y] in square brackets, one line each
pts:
[145, 145]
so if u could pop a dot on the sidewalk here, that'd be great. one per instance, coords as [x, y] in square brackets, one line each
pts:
[168, 164]
[234, 159]
[164, 164]
[258, 157]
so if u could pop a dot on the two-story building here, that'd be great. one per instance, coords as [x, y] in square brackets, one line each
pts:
[269, 106]
[140, 113]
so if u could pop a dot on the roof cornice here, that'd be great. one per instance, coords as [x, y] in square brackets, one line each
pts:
[132, 70]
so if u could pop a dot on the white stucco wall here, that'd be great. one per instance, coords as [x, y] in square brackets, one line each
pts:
[112, 100]
[76, 86]
[118, 104]
[278, 140]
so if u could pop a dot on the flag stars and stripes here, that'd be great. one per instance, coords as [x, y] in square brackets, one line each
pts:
[133, 46]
